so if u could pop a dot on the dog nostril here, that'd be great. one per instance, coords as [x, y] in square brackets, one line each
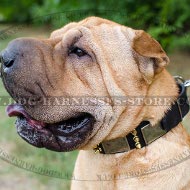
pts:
[1, 61]
[7, 62]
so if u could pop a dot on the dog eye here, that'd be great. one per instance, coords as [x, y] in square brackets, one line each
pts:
[78, 51]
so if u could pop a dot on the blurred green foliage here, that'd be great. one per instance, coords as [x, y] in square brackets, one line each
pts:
[167, 21]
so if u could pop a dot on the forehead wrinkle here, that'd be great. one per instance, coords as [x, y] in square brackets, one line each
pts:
[59, 32]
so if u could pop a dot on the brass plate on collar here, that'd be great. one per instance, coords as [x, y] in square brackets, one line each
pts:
[151, 133]
[116, 145]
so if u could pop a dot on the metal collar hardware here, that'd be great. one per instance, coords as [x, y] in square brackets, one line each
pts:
[187, 83]
[144, 134]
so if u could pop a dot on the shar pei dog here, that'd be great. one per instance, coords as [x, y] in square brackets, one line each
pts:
[101, 88]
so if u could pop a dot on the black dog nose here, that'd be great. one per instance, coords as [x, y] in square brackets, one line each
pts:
[6, 61]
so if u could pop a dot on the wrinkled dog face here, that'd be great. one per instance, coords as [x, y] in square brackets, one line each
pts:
[64, 80]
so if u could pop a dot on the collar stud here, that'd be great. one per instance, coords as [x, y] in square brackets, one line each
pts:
[97, 149]
[136, 139]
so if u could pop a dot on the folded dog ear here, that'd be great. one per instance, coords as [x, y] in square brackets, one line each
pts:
[151, 57]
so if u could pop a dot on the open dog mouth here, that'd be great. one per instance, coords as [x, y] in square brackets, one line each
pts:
[63, 136]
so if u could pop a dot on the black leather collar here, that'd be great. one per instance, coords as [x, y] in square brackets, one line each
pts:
[144, 134]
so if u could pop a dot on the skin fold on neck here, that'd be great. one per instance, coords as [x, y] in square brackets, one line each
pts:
[159, 151]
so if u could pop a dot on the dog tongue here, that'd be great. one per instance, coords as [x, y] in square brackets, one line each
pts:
[14, 110]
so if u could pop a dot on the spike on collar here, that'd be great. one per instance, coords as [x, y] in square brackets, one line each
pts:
[144, 133]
